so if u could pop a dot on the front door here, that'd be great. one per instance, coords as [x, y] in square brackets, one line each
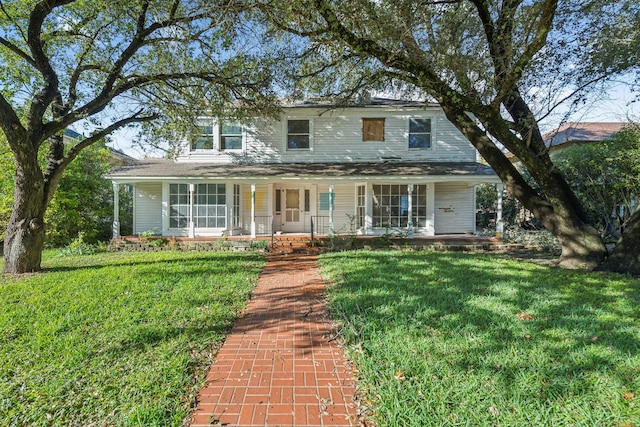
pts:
[293, 205]
[293, 217]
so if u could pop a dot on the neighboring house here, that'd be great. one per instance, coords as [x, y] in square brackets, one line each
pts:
[116, 157]
[575, 133]
[372, 169]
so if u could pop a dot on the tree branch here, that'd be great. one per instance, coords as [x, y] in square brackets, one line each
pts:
[42, 99]
[54, 171]
[15, 49]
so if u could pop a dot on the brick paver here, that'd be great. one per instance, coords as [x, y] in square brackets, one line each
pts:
[279, 365]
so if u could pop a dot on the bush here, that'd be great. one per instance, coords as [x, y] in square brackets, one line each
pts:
[79, 247]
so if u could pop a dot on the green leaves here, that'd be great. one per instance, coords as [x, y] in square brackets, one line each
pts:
[606, 176]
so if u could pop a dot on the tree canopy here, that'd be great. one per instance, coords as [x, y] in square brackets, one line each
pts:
[105, 65]
[495, 67]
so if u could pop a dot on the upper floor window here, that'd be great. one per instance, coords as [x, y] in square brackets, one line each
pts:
[298, 134]
[230, 136]
[373, 129]
[419, 133]
[204, 140]
[217, 136]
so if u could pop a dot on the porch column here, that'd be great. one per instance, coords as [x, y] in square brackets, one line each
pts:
[331, 206]
[116, 211]
[431, 209]
[368, 203]
[499, 220]
[410, 209]
[192, 195]
[253, 211]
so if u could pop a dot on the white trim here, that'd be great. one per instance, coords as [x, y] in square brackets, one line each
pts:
[431, 136]
[115, 229]
[216, 125]
[285, 126]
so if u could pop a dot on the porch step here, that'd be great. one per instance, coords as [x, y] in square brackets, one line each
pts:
[290, 244]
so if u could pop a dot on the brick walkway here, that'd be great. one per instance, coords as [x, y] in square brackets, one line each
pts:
[279, 367]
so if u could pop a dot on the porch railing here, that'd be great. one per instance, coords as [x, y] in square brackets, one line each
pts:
[319, 226]
[264, 225]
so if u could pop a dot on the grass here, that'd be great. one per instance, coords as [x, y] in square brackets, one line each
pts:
[116, 339]
[457, 339]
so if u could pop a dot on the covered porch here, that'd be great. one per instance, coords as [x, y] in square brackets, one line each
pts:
[409, 199]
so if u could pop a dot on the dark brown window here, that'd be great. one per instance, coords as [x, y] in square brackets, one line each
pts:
[372, 129]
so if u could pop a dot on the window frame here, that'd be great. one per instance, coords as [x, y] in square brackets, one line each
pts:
[309, 134]
[200, 123]
[211, 202]
[216, 136]
[390, 207]
[430, 134]
[221, 135]
[179, 205]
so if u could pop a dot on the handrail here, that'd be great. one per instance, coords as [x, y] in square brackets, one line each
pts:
[264, 225]
[320, 226]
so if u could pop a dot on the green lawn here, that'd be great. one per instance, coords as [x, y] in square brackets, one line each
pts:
[455, 339]
[118, 339]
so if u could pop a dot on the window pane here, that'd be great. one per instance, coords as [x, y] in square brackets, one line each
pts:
[231, 143]
[298, 126]
[292, 199]
[206, 130]
[230, 129]
[203, 143]
[419, 141]
[420, 125]
[298, 141]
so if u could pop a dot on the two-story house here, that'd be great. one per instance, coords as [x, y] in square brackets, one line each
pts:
[370, 169]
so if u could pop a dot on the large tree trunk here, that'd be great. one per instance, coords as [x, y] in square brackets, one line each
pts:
[24, 237]
[582, 246]
[561, 212]
[625, 258]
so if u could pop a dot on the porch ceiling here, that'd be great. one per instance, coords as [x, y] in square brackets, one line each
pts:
[161, 169]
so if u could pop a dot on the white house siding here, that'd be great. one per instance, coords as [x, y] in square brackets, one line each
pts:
[337, 136]
[343, 205]
[454, 208]
[147, 207]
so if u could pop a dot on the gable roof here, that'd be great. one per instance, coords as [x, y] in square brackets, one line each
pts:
[580, 132]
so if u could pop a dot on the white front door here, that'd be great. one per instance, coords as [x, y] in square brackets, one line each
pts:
[293, 205]
[293, 215]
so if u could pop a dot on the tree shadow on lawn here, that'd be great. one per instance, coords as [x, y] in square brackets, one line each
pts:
[565, 325]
